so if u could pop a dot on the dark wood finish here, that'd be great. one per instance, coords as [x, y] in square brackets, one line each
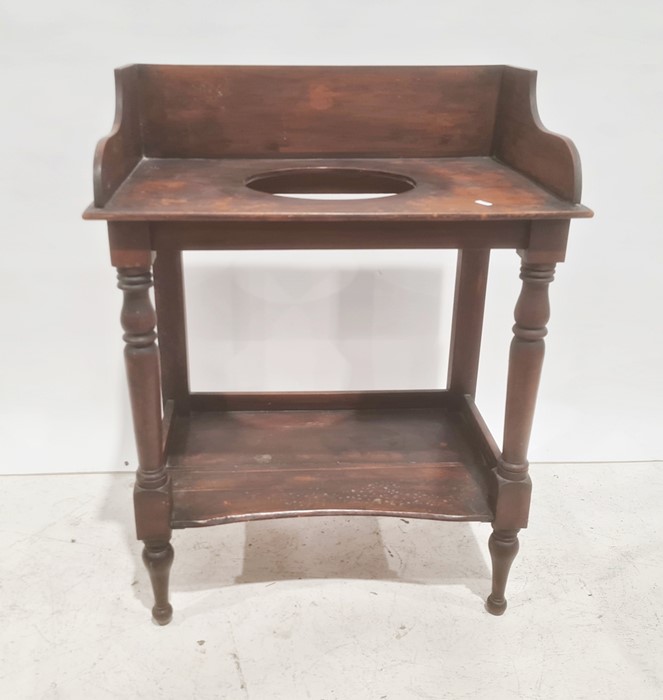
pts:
[166, 424]
[130, 245]
[119, 153]
[197, 159]
[481, 435]
[547, 242]
[169, 298]
[228, 466]
[327, 235]
[522, 142]
[172, 115]
[503, 546]
[447, 189]
[158, 558]
[512, 473]
[142, 363]
[467, 323]
[525, 362]
[301, 111]
[319, 400]
[152, 497]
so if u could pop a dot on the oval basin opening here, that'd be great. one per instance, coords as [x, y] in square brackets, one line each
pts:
[330, 183]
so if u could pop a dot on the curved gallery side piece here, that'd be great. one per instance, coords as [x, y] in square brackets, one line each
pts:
[522, 142]
[118, 153]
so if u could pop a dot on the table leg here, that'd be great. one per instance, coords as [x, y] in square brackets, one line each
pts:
[467, 323]
[169, 299]
[513, 482]
[152, 500]
[158, 558]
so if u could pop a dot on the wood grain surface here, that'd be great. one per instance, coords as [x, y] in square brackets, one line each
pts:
[451, 189]
[300, 111]
[198, 158]
[244, 465]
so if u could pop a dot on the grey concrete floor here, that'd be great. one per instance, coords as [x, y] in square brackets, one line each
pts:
[335, 608]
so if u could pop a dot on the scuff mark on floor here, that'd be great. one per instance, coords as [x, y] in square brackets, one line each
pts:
[238, 664]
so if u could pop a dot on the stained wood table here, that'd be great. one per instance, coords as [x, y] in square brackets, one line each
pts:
[219, 158]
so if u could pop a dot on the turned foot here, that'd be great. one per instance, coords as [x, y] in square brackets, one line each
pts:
[158, 558]
[503, 546]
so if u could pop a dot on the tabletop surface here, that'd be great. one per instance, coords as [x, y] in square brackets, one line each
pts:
[429, 189]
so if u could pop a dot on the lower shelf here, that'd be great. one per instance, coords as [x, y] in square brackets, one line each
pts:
[234, 465]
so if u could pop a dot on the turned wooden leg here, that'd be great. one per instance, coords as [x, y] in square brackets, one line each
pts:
[158, 558]
[152, 499]
[503, 546]
[514, 486]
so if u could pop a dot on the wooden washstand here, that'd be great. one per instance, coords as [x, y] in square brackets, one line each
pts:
[193, 162]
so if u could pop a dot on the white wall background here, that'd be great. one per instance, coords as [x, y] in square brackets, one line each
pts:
[316, 320]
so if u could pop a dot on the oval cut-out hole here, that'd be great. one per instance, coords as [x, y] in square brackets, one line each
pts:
[330, 183]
